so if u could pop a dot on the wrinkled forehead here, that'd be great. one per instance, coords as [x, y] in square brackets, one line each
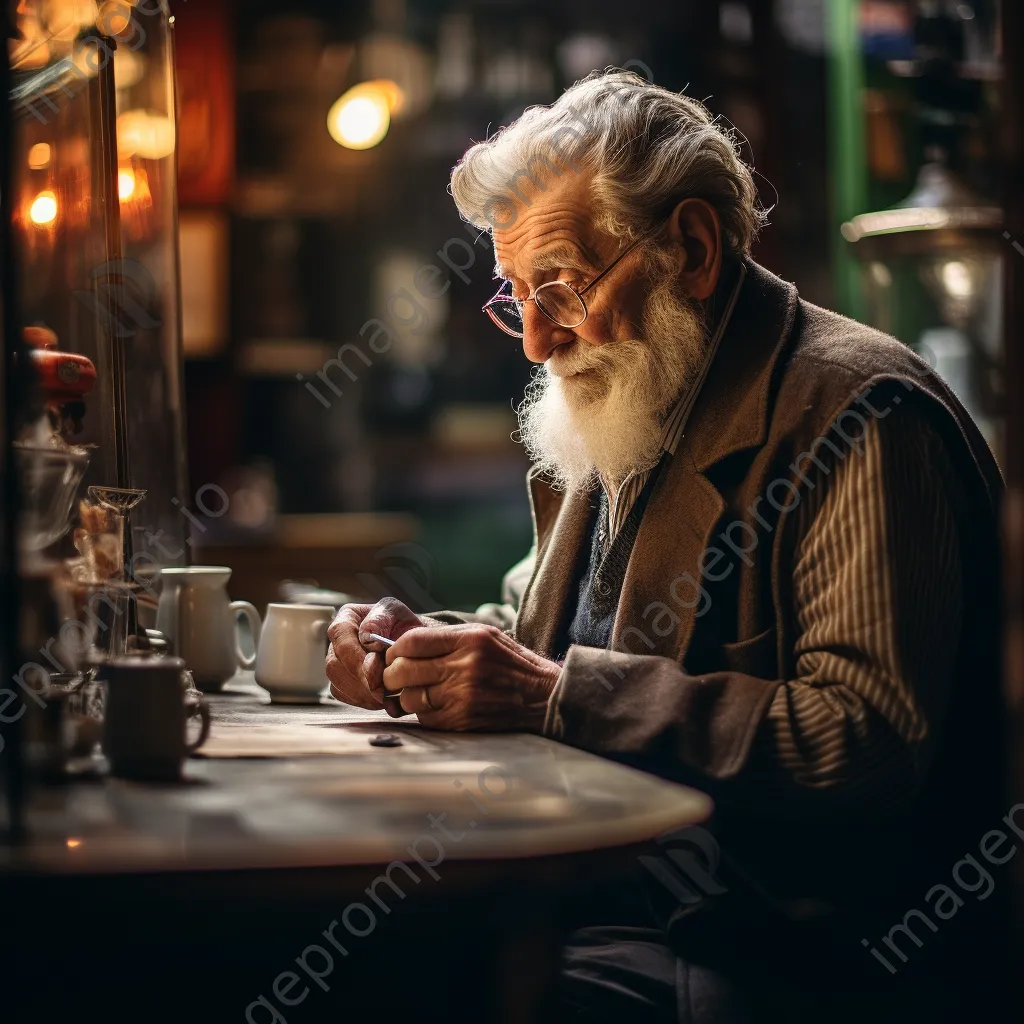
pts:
[550, 225]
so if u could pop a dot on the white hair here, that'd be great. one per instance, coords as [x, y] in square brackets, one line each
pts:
[646, 148]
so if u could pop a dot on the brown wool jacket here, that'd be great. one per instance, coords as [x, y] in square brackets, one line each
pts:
[698, 654]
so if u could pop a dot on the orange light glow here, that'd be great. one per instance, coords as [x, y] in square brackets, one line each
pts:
[360, 118]
[39, 156]
[144, 133]
[125, 184]
[73, 843]
[392, 92]
[115, 17]
[43, 210]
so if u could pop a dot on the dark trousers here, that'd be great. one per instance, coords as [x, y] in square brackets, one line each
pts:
[735, 965]
[628, 975]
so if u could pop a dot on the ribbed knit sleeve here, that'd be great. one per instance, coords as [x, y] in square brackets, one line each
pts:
[877, 594]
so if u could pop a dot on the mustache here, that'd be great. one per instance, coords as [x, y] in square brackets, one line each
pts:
[599, 367]
[596, 409]
[577, 357]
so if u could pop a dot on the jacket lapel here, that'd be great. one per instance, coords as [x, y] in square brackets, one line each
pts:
[662, 594]
[560, 525]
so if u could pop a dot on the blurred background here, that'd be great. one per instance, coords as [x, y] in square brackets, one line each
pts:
[356, 407]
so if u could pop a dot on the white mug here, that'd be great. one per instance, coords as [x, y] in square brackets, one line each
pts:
[201, 622]
[292, 659]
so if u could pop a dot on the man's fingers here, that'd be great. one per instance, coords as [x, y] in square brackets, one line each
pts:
[388, 617]
[347, 686]
[424, 642]
[406, 672]
[393, 705]
[414, 700]
[345, 627]
[354, 673]
[373, 673]
[350, 615]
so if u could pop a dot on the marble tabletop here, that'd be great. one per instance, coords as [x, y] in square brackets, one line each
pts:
[314, 791]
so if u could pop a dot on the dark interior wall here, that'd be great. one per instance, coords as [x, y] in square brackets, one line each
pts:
[306, 269]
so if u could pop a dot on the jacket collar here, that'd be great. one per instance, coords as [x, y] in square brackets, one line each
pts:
[733, 410]
[731, 414]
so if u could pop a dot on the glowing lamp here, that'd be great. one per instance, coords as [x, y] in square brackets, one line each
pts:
[43, 210]
[39, 156]
[360, 118]
[125, 184]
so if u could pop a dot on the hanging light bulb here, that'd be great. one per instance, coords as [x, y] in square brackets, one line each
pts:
[360, 118]
[43, 210]
[125, 183]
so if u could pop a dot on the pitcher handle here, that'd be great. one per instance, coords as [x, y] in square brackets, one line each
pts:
[247, 660]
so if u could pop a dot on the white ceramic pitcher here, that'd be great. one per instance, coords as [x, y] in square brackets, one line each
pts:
[202, 623]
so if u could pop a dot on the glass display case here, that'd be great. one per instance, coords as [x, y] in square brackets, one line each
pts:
[94, 211]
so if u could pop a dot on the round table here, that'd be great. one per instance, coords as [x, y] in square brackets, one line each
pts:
[324, 852]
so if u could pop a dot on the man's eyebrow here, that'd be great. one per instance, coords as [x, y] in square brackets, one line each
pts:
[564, 256]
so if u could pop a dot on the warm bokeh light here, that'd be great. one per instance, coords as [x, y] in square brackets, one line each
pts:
[125, 183]
[361, 117]
[39, 156]
[43, 209]
[362, 122]
[392, 92]
[115, 17]
[73, 843]
[957, 280]
[146, 134]
[128, 68]
[65, 20]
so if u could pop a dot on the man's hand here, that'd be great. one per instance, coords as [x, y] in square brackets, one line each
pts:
[355, 663]
[470, 677]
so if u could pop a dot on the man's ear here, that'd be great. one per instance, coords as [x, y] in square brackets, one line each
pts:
[694, 226]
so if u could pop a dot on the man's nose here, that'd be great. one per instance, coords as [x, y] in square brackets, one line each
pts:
[541, 336]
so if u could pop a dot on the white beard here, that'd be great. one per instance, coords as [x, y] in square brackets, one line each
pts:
[608, 421]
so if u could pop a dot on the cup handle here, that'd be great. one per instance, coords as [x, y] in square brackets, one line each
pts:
[247, 660]
[204, 730]
[320, 628]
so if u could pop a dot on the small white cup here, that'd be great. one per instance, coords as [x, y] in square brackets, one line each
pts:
[292, 657]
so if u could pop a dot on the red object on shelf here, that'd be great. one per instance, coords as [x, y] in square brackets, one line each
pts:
[63, 376]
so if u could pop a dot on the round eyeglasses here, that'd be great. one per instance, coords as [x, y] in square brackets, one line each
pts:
[557, 300]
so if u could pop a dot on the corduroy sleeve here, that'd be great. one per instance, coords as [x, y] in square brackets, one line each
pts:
[878, 608]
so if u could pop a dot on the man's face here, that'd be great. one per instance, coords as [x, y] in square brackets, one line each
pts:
[554, 239]
[596, 406]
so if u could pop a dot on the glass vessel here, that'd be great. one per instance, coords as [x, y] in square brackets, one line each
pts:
[94, 211]
[932, 270]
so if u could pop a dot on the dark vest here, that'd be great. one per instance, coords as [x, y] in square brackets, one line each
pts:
[597, 595]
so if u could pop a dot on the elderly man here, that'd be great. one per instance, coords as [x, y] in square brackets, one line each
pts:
[765, 564]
